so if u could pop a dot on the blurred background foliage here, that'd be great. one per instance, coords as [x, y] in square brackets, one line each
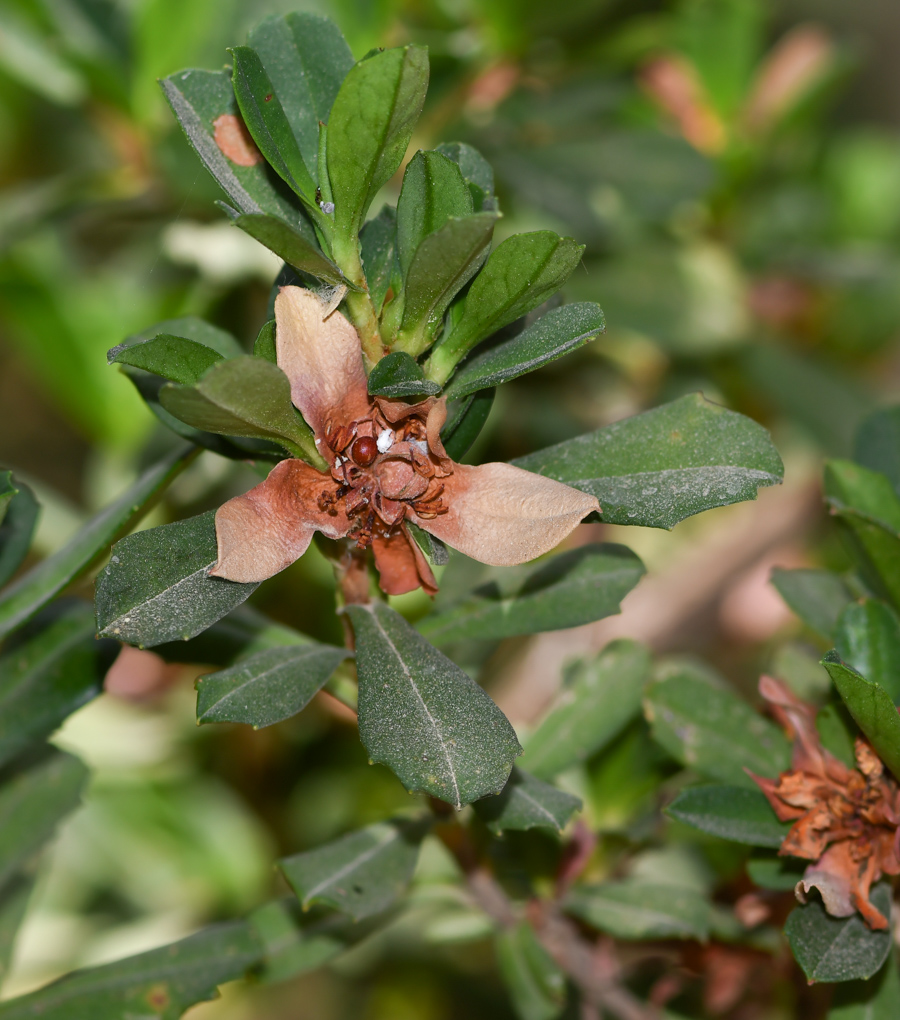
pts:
[734, 168]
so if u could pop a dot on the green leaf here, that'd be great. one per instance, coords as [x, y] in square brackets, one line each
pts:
[536, 985]
[191, 328]
[735, 813]
[264, 344]
[33, 590]
[599, 698]
[239, 635]
[567, 590]
[553, 335]
[378, 250]
[173, 357]
[32, 803]
[877, 445]
[477, 172]
[839, 948]
[713, 731]
[867, 637]
[199, 99]
[397, 376]
[818, 597]
[875, 999]
[54, 668]
[7, 491]
[443, 264]
[14, 897]
[306, 58]
[837, 732]
[664, 465]
[16, 528]
[433, 191]
[423, 717]
[244, 396]
[520, 274]
[779, 873]
[465, 425]
[267, 687]
[527, 803]
[871, 707]
[260, 106]
[291, 245]
[157, 587]
[370, 126]
[361, 873]
[162, 983]
[636, 909]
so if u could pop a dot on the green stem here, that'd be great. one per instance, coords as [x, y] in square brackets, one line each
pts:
[359, 304]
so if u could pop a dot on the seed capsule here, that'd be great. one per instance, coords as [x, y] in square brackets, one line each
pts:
[364, 450]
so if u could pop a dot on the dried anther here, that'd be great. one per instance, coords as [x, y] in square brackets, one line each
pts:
[846, 820]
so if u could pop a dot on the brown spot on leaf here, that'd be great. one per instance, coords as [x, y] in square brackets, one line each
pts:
[234, 140]
[158, 998]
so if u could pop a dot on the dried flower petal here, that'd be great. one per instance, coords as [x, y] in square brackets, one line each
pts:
[401, 564]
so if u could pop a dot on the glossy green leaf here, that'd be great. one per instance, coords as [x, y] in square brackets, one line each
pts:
[173, 357]
[156, 587]
[433, 191]
[261, 109]
[839, 948]
[398, 376]
[361, 873]
[553, 335]
[567, 590]
[464, 425]
[54, 668]
[442, 265]
[635, 909]
[527, 803]
[867, 637]
[244, 396]
[378, 250]
[477, 172]
[161, 983]
[871, 707]
[267, 687]
[536, 985]
[877, 445]
[735, 813]
[423, 717]
[600, 696]
[33, 590]
[17, 526]
[773, 872]
[664, 465]
[818, 597]
[713, 731]
[370, 126]
[875, 999]
[520, 274]
[32, 803]
[291, 245]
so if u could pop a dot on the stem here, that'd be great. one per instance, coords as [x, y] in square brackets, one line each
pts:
[342, 686]
[359, 304]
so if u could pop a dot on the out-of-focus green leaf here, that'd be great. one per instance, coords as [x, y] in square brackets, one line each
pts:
[599, 698]
[378, 250]
[837, 731]
[773, 872]
[361, 873]
[536, 985]
[527, 803]
[370, 126]
[32, 803]
[244, 396]
[33, 590]
[162, 983]
[867, 637]
[14, 897]
[7, 491]
[476, 171]
[839, 948]
[553, 335]
[871, 707]
[157, 587]
[735, 813]
[50, 672]
[17, 523]
[423, 717]
[875, 999]
[239, 635]
[818, 597]
[173, 357]
[397, 376]
[264, 344]
[267, 687]
[520, 274]
[713, 731]
[635, 909]
[291, 245]
[465, 425]
[877, 445]
[664, 465]
[572, 588]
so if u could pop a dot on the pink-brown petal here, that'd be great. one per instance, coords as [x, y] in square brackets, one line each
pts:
[266, 529]
[401, 565]
[322, 359]
[502, 515]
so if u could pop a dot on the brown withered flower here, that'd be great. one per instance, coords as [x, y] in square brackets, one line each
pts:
[387, 466]
[846, 820]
